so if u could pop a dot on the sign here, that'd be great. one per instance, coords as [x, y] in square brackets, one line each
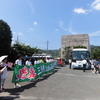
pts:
[27, 73]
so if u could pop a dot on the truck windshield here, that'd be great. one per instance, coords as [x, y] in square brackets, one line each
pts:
[79, 55]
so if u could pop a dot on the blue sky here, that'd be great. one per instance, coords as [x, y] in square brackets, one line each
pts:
[36, 21]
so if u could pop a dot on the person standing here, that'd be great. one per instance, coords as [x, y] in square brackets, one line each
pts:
[1, 72]
[4, 74]
[84, 64]
[99, 66]
[18, 62]
[92, 65]
[28, 62]
[36, 61]
[70, 63]
[96, 66]
[41, 60]
[47, 60]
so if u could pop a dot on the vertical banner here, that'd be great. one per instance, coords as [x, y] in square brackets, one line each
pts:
[28, 73]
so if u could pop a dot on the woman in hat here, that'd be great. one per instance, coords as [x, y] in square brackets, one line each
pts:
[4, 74]
[1, 71]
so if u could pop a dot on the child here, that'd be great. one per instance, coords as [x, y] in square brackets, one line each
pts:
[3, 75]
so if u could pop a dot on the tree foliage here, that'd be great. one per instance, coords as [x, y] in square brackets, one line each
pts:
[79, 47]
[21, 48]
[95, 52]
[5, 38]
[67, 52]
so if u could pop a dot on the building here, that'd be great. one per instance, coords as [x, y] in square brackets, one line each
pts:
[74, 40]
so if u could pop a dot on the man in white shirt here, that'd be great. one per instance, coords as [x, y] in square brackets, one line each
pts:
[70, 62]
[47, 60]
[18, 62]
[28, 62]
[36, 61]
[84, 64]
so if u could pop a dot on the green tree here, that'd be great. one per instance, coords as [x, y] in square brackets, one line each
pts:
[96, 52]
[79, 47]
[5, 38]
[67, 52]
[21, 48]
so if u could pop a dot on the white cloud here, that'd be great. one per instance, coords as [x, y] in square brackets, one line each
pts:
[35, 23]
[80, 10]
[31, 6]
[71, 31]
[97, 33]
[95, 2]
[30, 29]
[20, 33]
[17, 33]
[14, 32]
[88, 4]
[56, 29]
[61, 25]
[96, 5]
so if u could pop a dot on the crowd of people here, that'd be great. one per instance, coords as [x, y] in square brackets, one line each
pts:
[95, 65]
[19, 61]
[32, 61]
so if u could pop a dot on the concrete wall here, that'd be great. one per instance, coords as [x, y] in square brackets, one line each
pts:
[74, 40]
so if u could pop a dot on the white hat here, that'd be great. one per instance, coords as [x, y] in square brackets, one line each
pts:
[3, 57]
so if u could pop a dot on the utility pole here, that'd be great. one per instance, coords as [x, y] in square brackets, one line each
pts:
[47, 45]
[17, 39]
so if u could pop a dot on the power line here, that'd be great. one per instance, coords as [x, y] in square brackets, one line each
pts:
[13, 22]
[32, 41]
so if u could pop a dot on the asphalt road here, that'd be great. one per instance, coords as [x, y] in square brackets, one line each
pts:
[62, 84]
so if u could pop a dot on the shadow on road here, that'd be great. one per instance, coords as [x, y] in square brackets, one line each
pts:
[16, 91]
[46, 76]
[57, 68]
[79, 69]
[8, 98]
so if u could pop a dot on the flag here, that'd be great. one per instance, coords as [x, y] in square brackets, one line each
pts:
[10, 64]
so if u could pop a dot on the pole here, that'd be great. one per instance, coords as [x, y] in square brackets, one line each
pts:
[17, 38]
[47, 45]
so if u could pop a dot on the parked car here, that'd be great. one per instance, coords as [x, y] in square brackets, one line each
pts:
[60, 62]
[66, 61]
